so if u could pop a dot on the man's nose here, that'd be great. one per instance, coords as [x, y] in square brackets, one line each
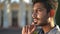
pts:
[34, 15]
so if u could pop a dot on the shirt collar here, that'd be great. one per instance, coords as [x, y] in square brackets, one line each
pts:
[54, 29]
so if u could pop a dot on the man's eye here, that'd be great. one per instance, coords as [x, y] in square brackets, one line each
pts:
[40, 9]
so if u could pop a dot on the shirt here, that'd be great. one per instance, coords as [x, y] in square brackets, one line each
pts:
[55, 30]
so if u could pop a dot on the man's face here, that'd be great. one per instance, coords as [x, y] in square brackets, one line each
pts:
[40, 14]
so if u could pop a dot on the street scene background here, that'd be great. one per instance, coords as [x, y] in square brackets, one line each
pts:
[15, 14]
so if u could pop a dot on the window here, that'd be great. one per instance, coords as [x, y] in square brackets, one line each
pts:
[14, 18]
[1, 18]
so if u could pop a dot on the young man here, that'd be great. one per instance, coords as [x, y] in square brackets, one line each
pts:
[43, 16]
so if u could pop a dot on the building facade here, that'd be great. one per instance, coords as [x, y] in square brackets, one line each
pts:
[15, 13]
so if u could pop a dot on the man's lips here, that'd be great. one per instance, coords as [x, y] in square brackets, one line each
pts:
[35, 20]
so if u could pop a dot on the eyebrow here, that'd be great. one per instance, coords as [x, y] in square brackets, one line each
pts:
[41, 8]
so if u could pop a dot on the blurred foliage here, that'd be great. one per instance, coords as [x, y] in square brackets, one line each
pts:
[58, 15]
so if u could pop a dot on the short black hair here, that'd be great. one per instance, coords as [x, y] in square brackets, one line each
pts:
[49, 4]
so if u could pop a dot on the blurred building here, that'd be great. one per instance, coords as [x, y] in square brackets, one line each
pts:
[15, 13]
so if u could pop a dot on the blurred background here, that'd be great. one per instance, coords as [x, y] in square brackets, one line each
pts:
[14, 14]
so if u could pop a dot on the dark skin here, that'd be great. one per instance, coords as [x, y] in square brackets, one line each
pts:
[40, 18]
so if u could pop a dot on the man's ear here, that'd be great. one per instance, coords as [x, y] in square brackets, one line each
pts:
[52, 12]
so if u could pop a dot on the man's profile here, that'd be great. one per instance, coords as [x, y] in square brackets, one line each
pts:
[43, 15]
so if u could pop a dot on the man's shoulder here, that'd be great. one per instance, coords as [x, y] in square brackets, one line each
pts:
[57, 30]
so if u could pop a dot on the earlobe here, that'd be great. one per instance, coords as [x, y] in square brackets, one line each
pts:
[52, 12]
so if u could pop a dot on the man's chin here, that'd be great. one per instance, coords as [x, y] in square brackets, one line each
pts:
[42, 24]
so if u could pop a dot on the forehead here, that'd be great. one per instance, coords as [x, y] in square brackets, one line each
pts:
[38, 5]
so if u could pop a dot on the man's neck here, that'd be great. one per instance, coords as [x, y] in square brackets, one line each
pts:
[48, 27]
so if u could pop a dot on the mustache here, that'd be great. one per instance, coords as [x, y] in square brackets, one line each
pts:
[37, 18]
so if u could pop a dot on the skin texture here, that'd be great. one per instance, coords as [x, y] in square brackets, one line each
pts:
[40, 17]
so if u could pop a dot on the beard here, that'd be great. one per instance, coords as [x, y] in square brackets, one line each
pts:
[42, 23]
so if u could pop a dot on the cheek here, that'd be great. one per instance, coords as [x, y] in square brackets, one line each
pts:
[41, 15]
